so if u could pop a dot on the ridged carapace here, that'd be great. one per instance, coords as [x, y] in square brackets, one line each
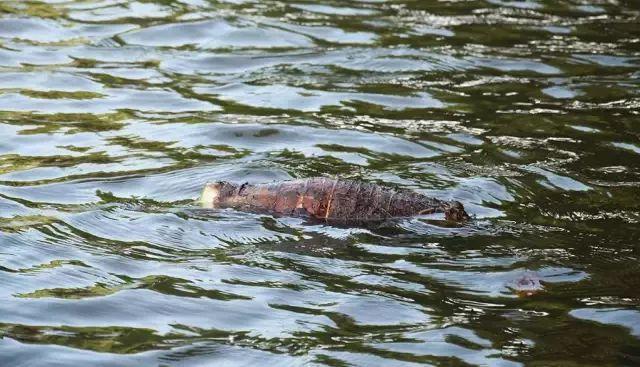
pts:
[330, 200]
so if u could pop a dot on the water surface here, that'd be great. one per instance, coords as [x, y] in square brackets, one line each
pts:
[114, 114]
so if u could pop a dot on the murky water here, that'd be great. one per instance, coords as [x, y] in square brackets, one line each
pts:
[114, 114]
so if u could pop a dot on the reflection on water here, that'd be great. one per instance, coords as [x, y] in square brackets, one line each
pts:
[113, 115]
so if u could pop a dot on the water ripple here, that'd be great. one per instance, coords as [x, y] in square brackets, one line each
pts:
[113, 116]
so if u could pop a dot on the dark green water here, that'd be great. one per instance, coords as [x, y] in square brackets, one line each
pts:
[114, 114]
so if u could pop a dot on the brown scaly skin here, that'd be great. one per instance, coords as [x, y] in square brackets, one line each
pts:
[331, 200]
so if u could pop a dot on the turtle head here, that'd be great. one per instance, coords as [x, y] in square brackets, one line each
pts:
[455, 212]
